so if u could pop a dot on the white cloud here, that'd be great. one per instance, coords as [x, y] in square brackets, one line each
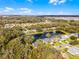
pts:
[25, 11]
[55, 2]
[28, 11]
[8, 9]
[13, 11]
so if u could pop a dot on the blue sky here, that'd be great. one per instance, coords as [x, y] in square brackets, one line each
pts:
[39, 7]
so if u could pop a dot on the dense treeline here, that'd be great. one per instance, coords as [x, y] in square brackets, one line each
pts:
[14, 44]
[21, 19]
[66, 25]
[70, 24]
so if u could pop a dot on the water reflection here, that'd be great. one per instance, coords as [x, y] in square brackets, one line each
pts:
[47, 35]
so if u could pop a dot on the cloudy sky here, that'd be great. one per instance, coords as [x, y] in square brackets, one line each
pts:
[39, 7]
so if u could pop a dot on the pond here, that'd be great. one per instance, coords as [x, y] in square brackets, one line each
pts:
[47, 35]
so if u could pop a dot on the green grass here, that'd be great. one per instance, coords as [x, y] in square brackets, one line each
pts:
[34, 33]
[57, 44]
[64, 32]
[68, 39]
[65, 41]
[63, 49]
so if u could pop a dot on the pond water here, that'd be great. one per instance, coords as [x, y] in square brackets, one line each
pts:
[47, 35]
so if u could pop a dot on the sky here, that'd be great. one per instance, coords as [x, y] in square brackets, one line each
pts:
[39, 7]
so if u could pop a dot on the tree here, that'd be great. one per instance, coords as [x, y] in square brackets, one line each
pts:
[73, 38]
